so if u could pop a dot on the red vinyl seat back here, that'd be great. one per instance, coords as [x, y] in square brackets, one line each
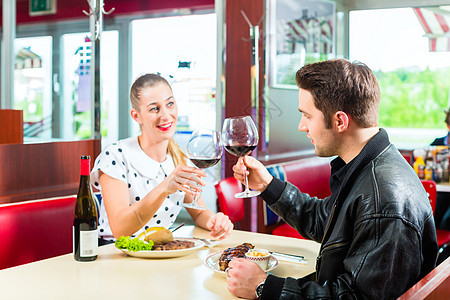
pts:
[35, 230]
[311, 176]
[228, 204]
[430, 188]
[443, 236]
[287, 230]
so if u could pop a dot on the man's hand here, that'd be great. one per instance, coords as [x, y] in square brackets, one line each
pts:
[243, 276]
[257, 175]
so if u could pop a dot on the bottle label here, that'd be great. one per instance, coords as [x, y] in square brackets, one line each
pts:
[88, 243]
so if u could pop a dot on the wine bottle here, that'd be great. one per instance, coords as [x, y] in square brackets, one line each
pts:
[85, 221]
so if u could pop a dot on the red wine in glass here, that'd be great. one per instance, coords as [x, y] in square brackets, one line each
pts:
[204, 150]
[203, 163]
[240, 137]
[240, 150]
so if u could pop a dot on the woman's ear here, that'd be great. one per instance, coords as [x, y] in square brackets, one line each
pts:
[341, 119]
[135, 115]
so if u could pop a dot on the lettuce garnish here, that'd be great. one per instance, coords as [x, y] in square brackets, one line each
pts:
[133, 244]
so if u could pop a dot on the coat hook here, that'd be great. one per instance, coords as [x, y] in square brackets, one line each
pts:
[108, 12]
[91, 10]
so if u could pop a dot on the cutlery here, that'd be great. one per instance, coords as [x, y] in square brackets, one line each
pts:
[289, 257]
[208, 242]
[178, 227]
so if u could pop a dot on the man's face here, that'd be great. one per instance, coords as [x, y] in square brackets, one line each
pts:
[313, 123]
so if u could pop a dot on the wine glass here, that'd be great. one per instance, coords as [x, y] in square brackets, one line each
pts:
[204, 150]
[240, 137]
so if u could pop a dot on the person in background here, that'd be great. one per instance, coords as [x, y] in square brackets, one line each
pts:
[145, 179]
[442, 215]
[443, 141]
[376, 230]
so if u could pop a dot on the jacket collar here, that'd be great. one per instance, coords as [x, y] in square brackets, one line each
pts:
[371, 150]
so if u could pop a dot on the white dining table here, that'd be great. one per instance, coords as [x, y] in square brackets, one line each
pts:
[115, 275]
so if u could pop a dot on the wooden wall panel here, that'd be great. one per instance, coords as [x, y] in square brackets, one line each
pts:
[11, 126]
[33, 171]
[73, 9]
[238, 61]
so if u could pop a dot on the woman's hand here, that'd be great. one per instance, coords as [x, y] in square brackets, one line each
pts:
[185, 178]
[220, 226]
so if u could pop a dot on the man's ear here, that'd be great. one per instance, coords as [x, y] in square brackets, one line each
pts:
[341, 121]
[135, 115]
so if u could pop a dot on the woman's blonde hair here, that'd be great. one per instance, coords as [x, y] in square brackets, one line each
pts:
[151, 80]
[178, 156]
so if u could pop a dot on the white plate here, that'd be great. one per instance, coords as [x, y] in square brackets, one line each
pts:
[212, 262]
[166, 253]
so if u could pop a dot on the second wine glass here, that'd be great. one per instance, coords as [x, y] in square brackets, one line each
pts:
[204, 150]
[240, 137]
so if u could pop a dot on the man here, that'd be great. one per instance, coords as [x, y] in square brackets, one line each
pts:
[443, 141]
[376, 229]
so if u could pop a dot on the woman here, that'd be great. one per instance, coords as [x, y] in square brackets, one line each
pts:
[144, 180]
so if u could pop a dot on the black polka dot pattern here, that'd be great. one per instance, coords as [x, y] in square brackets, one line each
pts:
[118, 163]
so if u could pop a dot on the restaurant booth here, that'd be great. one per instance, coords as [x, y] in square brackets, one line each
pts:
[43, 171]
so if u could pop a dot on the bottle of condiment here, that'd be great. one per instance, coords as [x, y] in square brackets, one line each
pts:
[417, 163]
[85, 220]
[428, 172]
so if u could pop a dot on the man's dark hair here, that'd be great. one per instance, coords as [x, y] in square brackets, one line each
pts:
[341, 85]
[447, 116]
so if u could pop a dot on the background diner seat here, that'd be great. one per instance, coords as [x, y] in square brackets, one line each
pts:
[443, 236]
[310, 175]
[35, 230]
[228, 204]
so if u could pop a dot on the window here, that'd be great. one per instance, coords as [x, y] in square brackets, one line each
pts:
[414, 80]
[32, 85]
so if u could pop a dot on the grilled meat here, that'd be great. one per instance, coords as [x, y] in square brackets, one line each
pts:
[174, 245]
[228, 254]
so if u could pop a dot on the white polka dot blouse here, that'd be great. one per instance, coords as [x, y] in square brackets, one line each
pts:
[127, 162]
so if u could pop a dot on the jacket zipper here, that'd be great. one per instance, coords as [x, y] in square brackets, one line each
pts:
[321, 247]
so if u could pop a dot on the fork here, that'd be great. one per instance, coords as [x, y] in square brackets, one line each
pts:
[208, 242]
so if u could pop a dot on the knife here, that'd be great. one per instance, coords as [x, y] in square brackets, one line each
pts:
[289, 257]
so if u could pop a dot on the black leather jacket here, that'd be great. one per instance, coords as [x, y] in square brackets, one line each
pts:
[377, 237]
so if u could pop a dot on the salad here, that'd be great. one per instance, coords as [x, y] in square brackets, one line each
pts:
[133, 244]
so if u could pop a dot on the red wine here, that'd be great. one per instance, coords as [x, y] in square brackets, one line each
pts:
[85, 221]
[240, 150]
[204, 163]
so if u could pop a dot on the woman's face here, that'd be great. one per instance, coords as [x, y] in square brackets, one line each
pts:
[158, 112]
